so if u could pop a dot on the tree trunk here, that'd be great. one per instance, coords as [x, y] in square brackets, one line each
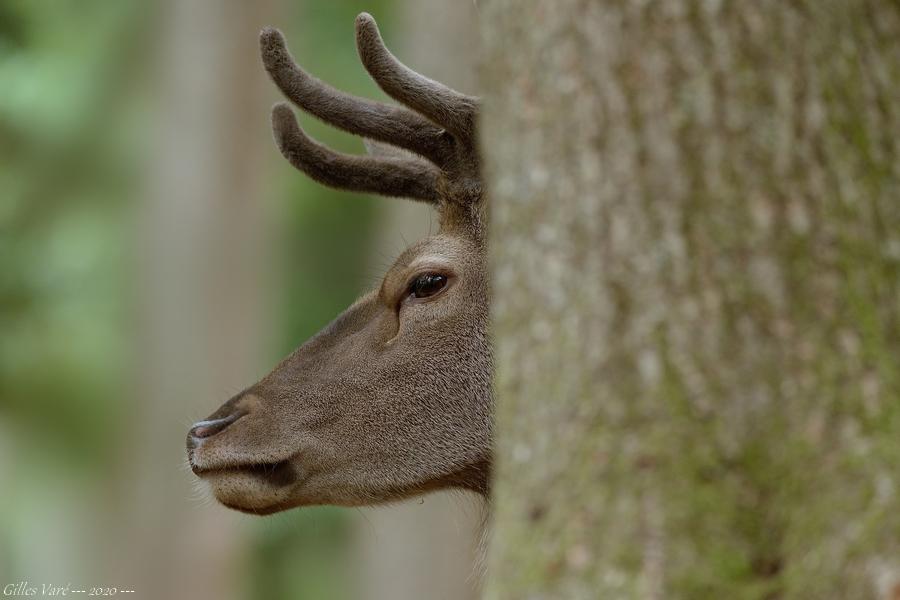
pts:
[696, 251]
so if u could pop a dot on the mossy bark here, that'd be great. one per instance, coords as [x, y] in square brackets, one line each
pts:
[696, 270]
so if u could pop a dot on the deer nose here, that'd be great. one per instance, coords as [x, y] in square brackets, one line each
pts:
[206, 429]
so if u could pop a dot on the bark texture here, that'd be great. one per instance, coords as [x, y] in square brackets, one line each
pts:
[696, 254]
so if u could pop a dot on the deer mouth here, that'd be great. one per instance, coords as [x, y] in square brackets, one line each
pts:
[278, 474]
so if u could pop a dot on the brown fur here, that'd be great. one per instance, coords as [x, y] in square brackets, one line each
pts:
[393, 398]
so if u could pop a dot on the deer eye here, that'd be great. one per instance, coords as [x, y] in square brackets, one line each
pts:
[427, 284]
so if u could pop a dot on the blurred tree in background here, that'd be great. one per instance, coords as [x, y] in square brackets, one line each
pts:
[66, 181]
[67, 169]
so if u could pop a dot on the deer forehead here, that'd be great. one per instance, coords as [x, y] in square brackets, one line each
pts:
[441, 251]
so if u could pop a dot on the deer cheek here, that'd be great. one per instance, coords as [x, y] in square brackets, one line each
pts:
[389, 327]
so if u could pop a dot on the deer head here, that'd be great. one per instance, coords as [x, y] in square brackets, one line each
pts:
[393, 398]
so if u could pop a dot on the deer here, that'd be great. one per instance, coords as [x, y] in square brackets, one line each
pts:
[392, 399]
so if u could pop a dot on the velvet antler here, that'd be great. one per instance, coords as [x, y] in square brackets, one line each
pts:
[442, 105]
[437, 123]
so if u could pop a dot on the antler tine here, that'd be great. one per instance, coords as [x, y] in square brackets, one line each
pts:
[407, 178]
[392, 124]
[444, 106]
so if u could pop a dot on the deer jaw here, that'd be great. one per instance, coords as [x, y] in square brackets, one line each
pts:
[390, 400]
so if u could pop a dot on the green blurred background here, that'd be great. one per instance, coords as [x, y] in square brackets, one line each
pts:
[157, 255]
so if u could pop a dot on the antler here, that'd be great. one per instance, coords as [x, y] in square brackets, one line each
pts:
[440, 127]
[444, 106]
[409, 178]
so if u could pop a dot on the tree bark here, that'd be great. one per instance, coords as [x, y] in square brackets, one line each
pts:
[696, 250]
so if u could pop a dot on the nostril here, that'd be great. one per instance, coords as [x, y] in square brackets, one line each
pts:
[205, 429]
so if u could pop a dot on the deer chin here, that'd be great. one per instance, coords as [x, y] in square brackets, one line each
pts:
[259, 489]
